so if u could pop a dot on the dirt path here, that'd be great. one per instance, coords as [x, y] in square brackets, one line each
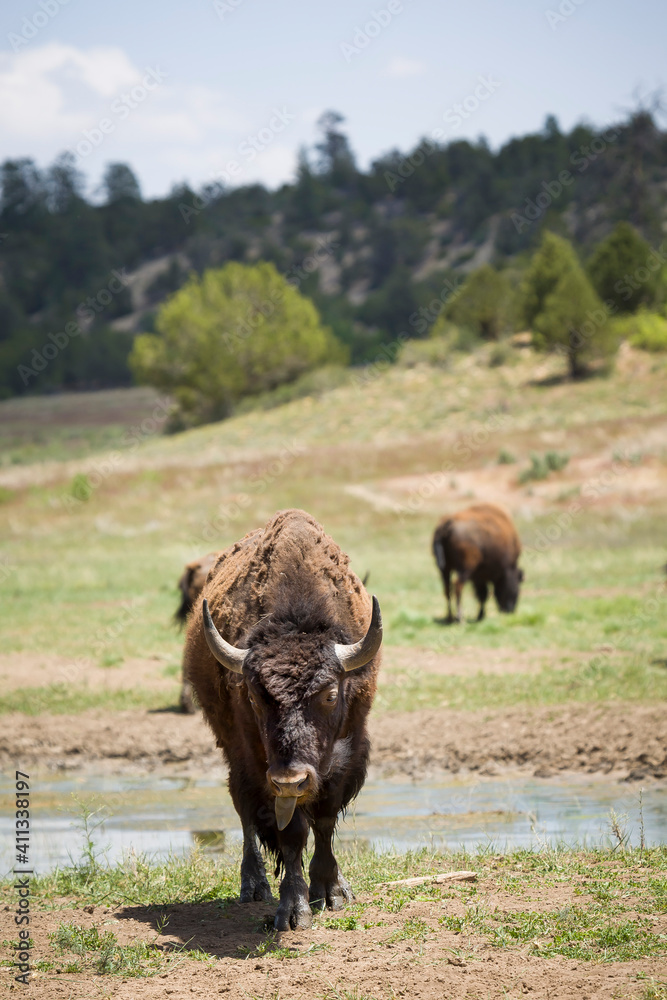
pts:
[625, 741]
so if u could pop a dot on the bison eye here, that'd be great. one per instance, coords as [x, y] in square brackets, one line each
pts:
[329, 696]
[254, 700]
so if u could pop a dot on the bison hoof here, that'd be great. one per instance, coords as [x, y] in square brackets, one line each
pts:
[333, 895]
[255, 890]
[293, 913]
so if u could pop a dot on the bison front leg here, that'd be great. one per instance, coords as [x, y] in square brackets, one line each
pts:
[482, 592]
[327, 885]
[447, 580]
[461, 581]
[254, 883]
[294, 911]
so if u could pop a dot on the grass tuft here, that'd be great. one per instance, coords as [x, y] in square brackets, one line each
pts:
[542, 465]
[105, 956]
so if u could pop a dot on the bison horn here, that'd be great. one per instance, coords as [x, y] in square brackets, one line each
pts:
[359, 653]
[229, 656]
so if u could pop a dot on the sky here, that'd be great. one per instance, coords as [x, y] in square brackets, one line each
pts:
[229, 90]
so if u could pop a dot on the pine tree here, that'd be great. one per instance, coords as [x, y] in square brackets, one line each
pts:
[562, 309]
[620, 269]
[483, 305]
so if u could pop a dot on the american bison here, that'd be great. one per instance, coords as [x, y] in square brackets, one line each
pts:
[481, 544]
[191, 585]
[283, 653]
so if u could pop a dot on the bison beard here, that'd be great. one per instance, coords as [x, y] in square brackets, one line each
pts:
[285, 668]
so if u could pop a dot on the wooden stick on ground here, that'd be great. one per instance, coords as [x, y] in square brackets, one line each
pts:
[462, 876]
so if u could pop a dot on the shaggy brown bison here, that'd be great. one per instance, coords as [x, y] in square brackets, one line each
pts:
[191, 585]
[283, 654]
[480, 543]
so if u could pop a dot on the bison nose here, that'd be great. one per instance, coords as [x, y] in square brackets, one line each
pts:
[289, 783]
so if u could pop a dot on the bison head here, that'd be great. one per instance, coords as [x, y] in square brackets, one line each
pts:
[506, 588]
[297, 675]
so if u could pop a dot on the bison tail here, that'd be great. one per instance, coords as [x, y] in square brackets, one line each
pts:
[439, 553]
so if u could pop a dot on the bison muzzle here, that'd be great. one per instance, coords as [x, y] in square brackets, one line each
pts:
[283, 653]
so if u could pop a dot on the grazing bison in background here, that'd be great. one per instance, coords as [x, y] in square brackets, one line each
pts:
[283, 654]
[481, 544]
[191, 585]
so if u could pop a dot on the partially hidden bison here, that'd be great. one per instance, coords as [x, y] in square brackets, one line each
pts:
[283, 651]
[480, 544]
[191, 584]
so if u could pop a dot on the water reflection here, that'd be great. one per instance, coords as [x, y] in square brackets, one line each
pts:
[157, 815]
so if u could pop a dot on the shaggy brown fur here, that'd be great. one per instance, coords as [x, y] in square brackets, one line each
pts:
[480, 544]
[287, 594]
[191, 585]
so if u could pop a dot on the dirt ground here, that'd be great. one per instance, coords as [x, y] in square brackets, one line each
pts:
[374, 959]
[626, 741]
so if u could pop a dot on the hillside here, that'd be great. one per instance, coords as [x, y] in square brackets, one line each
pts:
[377, 463]
[371, 248]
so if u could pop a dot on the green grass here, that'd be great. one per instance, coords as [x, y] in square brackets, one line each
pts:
[198, 878]
[136, 881]
[102, 952]
[279, 951]
[414, 928]
[590, 935]
[602, 679]
[654, 990]
[96, 577]
[349, 922]
[67, 699]
[103, 955]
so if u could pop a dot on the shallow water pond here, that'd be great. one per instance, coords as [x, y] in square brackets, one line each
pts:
[157, 815]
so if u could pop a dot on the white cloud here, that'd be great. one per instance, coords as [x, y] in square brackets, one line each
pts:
[401, 66]
[49, 90]
[54, 97]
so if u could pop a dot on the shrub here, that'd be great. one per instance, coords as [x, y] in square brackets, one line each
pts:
[541, 465]
[646, 330]
[81, 488]
[500, 354]
[237, 331]
[435, 351]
